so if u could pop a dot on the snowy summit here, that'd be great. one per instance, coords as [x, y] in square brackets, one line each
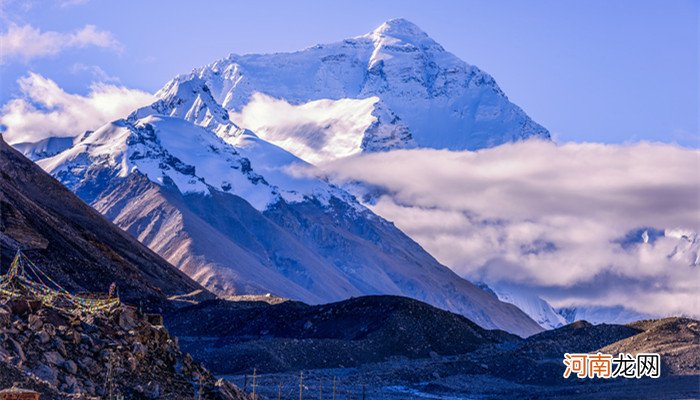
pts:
[394, 87]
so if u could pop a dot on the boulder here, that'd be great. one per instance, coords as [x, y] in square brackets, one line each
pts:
[70, 367]
[128, 319]
[35, 322]
[5, 317]
[46, 373]
[70, 385]
[59, 346]
[17, 349]
[139, 350]
[43, 337]
[53, 358]
[152, 390]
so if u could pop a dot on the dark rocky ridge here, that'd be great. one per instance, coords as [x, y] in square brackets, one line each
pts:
[76, 245]
[233, 337]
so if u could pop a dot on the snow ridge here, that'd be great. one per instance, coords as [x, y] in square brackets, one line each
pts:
[173, 152]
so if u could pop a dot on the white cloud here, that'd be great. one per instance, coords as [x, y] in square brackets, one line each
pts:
[548, 217]
[71, 3]
[46, 110]
[95, 71]
[27, 42]
[315, 131]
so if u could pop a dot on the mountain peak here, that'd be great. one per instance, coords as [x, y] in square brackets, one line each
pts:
[399, 27]
[399, 30]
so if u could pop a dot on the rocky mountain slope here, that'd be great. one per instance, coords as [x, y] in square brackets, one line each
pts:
[76, 245]
[394, 87]
[239, 220]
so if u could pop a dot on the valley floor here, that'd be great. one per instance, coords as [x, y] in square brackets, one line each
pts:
[393, 381]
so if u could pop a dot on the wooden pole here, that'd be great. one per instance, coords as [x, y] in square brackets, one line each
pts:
[109, 375]
[334, 388]
[279, 391]
[301, 385]
[363, 392]
[320, 394]
[255, 373]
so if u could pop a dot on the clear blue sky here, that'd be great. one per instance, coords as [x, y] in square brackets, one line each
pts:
[604, 71]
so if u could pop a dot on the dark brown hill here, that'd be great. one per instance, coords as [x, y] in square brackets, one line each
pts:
[677, 340]
[231, 337]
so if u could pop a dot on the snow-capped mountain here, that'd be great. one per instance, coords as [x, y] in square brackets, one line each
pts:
[394, 87]
[550, 317]
[688, 247]
[536, 307]
[233, 215]
[44, 148]
[684, 247]
[601, 315]
[189, 178]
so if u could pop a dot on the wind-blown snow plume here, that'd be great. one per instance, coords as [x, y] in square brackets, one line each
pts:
[555, 218]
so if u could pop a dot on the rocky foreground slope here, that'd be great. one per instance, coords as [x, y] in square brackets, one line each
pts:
[61, 354]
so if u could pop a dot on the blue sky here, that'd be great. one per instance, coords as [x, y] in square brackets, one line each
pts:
[600, 71]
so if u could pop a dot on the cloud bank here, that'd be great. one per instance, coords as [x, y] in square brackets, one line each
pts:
[45, 110]
[550, 218]
[27, 42]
